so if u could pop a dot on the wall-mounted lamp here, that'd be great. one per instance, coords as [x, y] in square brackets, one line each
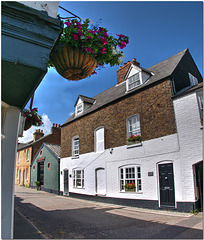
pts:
[61, 172]
[111, 150]
[70, 175]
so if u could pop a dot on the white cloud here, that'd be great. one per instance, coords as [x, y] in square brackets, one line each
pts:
[46, 127]
[71, 113]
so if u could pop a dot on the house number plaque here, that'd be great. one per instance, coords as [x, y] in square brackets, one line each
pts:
[150, 174]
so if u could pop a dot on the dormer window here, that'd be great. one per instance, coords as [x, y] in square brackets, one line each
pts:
[79, 108]
[136, 76]
[134, 81]
[82, 104]
[193, 80]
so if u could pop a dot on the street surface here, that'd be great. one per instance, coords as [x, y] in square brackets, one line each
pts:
[59, 217]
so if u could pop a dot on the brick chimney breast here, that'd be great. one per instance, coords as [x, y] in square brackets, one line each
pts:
[55, 128]
[37, 134]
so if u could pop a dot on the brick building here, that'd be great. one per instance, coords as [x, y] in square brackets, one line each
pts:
[97, 157]
[27, 151]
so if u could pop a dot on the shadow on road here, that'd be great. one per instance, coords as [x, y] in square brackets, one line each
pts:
[97, 223]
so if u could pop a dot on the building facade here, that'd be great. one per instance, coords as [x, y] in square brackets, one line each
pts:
[45, 168]
[27, 151]
[100, 161]
[23, 161]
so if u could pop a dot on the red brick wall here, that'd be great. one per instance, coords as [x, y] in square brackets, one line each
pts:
[156, 119]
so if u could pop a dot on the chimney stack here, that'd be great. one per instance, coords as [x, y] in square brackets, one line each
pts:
[38, 134]
[121, 72]
[55, 128]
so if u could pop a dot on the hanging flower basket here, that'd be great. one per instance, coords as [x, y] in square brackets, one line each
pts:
[27, 125]
[72, 63]
[83, 47]
[32, 118]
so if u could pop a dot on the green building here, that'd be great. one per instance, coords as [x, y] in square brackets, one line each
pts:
[45, 168]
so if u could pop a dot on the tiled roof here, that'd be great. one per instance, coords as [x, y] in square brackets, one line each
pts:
[160, 71]
[55, 149]
[85, 99]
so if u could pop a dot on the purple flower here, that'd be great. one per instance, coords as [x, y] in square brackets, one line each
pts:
[120, 35]
[78, 25]
[75, 36]
[122, 45]
[88, 38]
[104, 41]
[103, 50]
[68, 24]
[79, 33]
[93, 32]
[105, 34]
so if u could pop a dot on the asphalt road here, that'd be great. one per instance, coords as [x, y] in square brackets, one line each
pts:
[59, 217]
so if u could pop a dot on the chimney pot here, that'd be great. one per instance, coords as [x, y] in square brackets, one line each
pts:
[53, 124]
[120, 67]
[134, 59]
[125, 64]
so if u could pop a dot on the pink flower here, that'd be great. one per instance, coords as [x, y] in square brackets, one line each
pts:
[103, 50]
[68, 24]
[78, 25]
[105, 34]
[120, 35]
[122, 45]
[88, 38]
[74, 36]
[101, 29]
[104, 41]
[93, 32]
[79, 33]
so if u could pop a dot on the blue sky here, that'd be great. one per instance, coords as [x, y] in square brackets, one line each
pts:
[157, 30]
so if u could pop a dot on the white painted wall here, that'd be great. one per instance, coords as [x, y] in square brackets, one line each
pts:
[190, 139]
[8, 161]
[146, 155]
[51, 7]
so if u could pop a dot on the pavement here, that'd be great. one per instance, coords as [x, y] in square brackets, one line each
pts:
[44, 203]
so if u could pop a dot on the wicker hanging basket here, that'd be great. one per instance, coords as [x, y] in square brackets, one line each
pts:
[72, 63]
[27, 125]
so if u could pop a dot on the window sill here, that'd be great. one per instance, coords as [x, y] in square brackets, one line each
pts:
[78, 187]
[75, 157]
[134, 145]
[131, 192]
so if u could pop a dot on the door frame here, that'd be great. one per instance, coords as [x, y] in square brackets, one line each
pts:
[97, 169]
[67, 193]
[158, 183]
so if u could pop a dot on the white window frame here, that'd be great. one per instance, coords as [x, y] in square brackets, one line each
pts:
[28, 155]
[26, 174]
[199, 95]
[136, 78]
[100, 142]
[17, 174]
[130, 174]
[78, 178]
[79, 108]
[18, 159]
[133, 130]
[75, 147]
[193, 80]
